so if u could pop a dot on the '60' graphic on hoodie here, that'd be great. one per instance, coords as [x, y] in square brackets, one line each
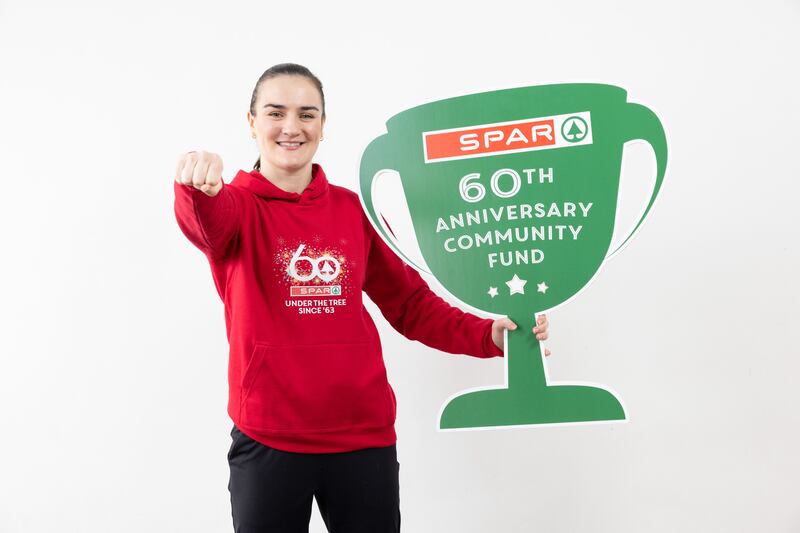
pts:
[325, 267]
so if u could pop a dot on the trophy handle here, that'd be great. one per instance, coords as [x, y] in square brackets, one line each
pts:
[377, 158]
[642, 124]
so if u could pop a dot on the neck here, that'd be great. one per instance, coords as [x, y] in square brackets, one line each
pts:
[288, 180]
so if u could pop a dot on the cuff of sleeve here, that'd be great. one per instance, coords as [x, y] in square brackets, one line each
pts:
[201, 200]
[489, 347]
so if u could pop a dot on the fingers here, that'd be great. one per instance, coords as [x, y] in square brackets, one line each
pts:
[186, 166]
[503, 323]
[542, 321]
[508, 324]
[179, 169]
[214, 176]
[541, 329]
[201, 170]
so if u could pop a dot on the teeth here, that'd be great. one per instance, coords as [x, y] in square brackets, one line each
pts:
[292, 144]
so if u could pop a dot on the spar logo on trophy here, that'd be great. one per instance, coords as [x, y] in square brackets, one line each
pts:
[513, 196]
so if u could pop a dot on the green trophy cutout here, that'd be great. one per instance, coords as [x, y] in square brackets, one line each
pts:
[513, 197]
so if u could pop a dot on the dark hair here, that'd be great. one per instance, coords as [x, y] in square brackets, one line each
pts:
[284, 69]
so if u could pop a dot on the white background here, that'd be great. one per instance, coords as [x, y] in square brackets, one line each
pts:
[113, 354]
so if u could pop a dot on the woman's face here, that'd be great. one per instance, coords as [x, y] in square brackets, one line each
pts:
[287, 124]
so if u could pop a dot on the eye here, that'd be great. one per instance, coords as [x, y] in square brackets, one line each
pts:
[274, 114]
[307, 115]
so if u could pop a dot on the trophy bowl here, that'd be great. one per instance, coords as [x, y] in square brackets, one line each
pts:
[513, 197]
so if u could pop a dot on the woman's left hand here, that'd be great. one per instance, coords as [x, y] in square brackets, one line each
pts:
[505, 323]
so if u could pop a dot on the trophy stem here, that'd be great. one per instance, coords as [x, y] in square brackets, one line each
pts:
[524, 354]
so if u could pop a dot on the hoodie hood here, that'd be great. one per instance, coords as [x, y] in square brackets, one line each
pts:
[255, 182]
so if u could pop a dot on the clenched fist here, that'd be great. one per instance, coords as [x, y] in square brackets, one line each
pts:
[202, 170]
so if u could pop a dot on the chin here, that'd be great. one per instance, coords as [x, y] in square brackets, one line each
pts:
[294, 164]
[289, 165]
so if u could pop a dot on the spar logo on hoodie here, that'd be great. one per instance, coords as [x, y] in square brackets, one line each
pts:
[304, 268]
[316, 277]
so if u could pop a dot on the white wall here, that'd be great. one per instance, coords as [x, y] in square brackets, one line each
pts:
[113, 354]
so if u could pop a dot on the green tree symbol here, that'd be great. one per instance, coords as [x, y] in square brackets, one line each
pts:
[575, 133]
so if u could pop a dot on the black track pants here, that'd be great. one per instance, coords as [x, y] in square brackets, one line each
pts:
[271, 490]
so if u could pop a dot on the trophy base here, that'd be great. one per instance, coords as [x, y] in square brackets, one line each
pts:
[549, 405]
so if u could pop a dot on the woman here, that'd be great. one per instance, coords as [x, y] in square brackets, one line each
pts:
[290, 255]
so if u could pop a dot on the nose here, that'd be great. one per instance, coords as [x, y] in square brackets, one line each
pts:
[291, 127]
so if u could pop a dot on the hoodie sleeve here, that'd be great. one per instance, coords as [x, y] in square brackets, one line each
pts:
[413, 309]
[210, 222]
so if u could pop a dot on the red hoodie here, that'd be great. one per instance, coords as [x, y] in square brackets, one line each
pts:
[306, 370]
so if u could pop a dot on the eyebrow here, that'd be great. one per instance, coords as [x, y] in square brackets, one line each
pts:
[302, 108]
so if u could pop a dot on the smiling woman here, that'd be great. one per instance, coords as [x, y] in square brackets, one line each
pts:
[286, 118]
[291, 255]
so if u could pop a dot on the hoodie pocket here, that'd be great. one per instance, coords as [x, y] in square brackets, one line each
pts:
[319, 387]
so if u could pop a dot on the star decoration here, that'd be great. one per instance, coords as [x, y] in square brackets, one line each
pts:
[542, 287]
[516, 285]
[492, 291]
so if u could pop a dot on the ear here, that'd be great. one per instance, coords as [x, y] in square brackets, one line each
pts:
[251, 121]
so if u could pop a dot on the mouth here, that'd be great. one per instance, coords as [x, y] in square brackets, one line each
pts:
[287, 145]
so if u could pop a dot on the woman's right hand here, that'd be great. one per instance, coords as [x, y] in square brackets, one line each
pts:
[201, 170]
